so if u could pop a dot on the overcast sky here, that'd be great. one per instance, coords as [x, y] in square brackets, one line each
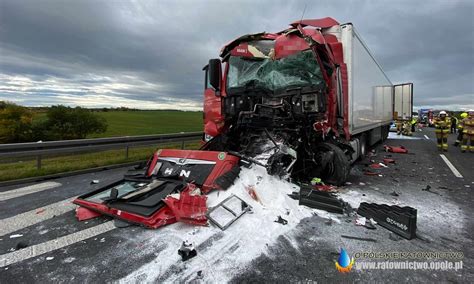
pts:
[149, 54]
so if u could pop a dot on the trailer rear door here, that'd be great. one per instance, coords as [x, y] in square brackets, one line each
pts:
[402, 101]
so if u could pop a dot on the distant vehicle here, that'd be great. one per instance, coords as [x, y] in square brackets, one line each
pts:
[426, 117]
[393, 126]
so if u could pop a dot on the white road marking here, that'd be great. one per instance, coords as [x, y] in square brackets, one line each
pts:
[39, 249]
[23, 220]
[426, 136]
[451, 166]
[28, 190]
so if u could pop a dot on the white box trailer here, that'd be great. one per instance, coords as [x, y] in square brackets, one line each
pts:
[373, 99]
[403, 101]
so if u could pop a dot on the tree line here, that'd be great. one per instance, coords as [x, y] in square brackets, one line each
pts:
[18, 123]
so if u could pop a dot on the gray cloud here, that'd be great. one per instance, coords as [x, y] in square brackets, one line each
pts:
[149, 54]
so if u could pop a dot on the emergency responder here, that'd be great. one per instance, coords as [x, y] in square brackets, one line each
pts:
[454, 122]
[442, 125]
[406, 129]
[468, 132]
[399, 125]
[460, 134]
[414, 121]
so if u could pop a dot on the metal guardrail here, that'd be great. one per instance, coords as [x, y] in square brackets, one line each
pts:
[40, 149]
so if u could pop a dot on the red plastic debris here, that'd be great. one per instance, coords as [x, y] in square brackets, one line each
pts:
[188, 208]
[40, 211]
[388, 161]
[370, 173]
[375, 166]
[85, 214]
[395, 149]
[253, 193]
[324, 187]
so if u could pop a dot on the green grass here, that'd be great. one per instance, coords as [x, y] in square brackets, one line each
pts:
[120, 123]
[25, 169]
[130, 123]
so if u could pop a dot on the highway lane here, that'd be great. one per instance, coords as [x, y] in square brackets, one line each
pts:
[93, 251]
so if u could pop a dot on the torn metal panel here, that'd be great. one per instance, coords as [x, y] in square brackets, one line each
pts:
[317, 23]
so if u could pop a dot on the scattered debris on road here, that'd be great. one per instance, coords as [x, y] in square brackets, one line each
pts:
[281, 220]
[228, 211]
[320, 200]
[187, 251]
[83, 214]
[359, 238]
[400, 220]
[395, 149]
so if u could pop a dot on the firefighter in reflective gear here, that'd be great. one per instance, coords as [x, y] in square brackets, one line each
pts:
[454, 122]
[399, 125]
[406, 128]
[442, 124]
[460, 128]
[414, 121]
[468, 132]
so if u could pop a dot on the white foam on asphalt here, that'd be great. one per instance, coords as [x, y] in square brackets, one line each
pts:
[451, 166]
[23, 220]
[392, 135]
[28, 190]
[223, 254]
[49, 246]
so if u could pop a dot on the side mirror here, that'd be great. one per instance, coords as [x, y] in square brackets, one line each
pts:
[215, 74]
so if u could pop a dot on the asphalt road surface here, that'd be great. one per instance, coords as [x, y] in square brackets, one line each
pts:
[42, 241]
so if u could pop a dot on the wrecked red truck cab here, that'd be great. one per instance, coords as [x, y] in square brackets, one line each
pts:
[313, 90]
[154, 196]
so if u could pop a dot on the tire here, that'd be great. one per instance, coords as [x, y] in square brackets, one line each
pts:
[337, 170]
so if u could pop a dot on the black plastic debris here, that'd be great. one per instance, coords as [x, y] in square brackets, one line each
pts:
[187, 251]
[199, 275]
[21, 245]
[428, 188]
[359, 238]
[121, 224]
[320, 200]
[294, 195]
[281, 221]
[400, 220]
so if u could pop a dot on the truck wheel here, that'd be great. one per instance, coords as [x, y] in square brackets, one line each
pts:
[336, 166]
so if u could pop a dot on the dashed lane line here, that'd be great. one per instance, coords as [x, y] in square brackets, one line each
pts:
[451, 166]
[23, 220]
[28, 190]
[426, 136]
[39, 249]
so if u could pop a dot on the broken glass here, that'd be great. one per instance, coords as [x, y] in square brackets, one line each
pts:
[297, 70]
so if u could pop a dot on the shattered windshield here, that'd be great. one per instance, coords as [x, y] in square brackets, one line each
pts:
[297, 70]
